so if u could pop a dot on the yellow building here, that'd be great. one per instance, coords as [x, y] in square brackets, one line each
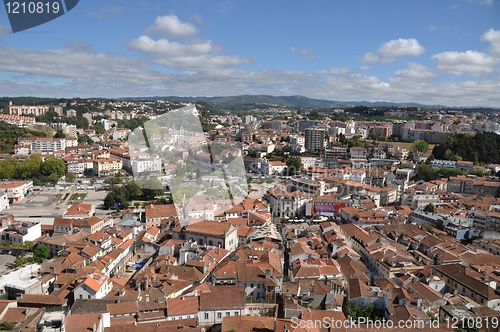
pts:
[107, 167]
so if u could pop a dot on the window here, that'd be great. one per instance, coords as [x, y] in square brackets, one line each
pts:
[482, 300]
[81, 296]
[228, 313]
[251, 285]
[210, 242]
[219, 315]
[236, 313]
[206, 315]
[88, 296]
[201, 241]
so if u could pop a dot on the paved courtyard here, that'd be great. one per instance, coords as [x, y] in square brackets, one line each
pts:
[50, 202]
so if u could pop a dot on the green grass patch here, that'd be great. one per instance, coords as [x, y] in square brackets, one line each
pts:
[73, 197]
[65, 196]
[57, 197]
[81, 196]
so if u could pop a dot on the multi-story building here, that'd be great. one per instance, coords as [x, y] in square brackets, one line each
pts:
[464, 281]
[95, 286]
[16, 191]
[47, 145]
[358, 152]
[106, 167]
[210, 233]
[285, 204]
[21, 232]
[315, 139]
[4, 200]
[70, 226]
[27, 110]
[154, 214]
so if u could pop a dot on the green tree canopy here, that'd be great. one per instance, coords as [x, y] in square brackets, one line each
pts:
[40, 254]
[430, 208]
[70, 177]
[294, 165]
[420, 146]
[52, 165]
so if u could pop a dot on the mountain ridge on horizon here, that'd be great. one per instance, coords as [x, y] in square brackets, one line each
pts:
[263, 100]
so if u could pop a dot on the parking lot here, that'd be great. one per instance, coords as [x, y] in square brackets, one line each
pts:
[50, 202]
[4, 259]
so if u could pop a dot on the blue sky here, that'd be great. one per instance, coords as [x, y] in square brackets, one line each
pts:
[432, 52]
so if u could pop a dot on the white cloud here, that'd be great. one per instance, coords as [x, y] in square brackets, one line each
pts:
[415, 72]
[470, 62]
[170, 26]
[304, 53]
[401, 47]
[454, 6]
[365, 68]
[390, 50]
[203, 62]
[3, 30]
[431, 27]
[493, 37]
[168, 48]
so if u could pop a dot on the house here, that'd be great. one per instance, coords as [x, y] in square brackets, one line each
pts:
[95, 286]
[16, 191]
[284, 204]
[21, 232]
[211, 233]
[4, 200]
[68, 226]
[154, 214]
[79, 211]
[465, 281]
[222, 301]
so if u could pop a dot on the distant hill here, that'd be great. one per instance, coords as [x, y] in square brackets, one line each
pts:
[284, 101]
[243, 102]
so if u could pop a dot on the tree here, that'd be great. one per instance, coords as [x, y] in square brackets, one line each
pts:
[133, 189]
[420, 146]
[294, 165]
[52, 165]
[40, 254]
[6, 326]
[152, 188]
[53, 178]
[430, 208]
[8, 168]
[29, 168]
[70, 177]
[59, 134]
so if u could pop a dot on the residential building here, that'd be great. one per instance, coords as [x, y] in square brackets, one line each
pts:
[285, 204]
[96, 286]
[16, 191]
[222, 301]
[27, 110]
[210, 233]
[154, 214]
[107, 167]
[21, 232]
[315, 139]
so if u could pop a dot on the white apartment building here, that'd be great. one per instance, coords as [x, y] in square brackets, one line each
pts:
[21, 232]
[27, 110]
